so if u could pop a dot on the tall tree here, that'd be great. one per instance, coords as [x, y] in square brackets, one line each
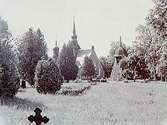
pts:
[157, 20]
[152, 36]
[9, 78]
[67, 64]
[143, 39]
[88, 69]
[146, 47]
[32, 48]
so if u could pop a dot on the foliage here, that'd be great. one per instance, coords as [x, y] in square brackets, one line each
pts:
[88, 69]
[157, 19]
[152, 36]
[9, 79]
[107, 64]
[47, 77]
[142, 69]
[144, 39]
[147, 47]
[114, 46]
[123, 63]
[134, 67]
[32, 48]
[162, 68]
[128, 67]
[66, 62]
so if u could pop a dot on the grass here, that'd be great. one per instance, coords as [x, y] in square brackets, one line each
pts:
[103, 104]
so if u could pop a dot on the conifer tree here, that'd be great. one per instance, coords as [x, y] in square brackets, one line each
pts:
[9, 78]
[67, 64]
[88, 69]
[32, 48]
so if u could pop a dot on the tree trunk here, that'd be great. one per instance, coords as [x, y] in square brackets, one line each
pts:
[161, 77]
[134, 76]
[154, 74]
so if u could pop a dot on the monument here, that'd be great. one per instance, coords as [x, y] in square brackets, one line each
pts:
[116, 71]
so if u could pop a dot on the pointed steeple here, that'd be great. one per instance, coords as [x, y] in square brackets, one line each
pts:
[56, 44]
[74, 40]
[74, 35]
[120, 41]
[74, 30]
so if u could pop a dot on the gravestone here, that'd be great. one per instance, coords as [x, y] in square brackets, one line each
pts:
[38, 118]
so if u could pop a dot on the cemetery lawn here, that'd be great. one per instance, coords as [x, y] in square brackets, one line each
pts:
[103, 104]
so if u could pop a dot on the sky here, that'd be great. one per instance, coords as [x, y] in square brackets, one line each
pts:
[98, 22]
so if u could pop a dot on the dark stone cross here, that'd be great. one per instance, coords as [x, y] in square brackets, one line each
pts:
[38, 119]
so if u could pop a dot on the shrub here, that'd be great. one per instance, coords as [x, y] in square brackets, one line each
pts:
[47, 77]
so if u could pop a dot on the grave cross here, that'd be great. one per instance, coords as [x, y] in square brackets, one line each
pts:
[38, 119]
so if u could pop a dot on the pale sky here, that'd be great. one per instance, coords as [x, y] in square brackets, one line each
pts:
[98, 22]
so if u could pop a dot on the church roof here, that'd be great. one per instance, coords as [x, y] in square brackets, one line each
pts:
[84, 53]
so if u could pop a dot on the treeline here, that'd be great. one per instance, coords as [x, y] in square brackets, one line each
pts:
[26, 59]
[147, 58]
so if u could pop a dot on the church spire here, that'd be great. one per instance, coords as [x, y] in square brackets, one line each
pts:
[120, 41]
[74, 42]
[74, 35]
[74, 30]
[56, 44]
[120, 38]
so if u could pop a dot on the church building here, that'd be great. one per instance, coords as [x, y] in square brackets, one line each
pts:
[80, 54]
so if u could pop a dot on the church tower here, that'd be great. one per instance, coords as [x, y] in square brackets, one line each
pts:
[74, 41]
